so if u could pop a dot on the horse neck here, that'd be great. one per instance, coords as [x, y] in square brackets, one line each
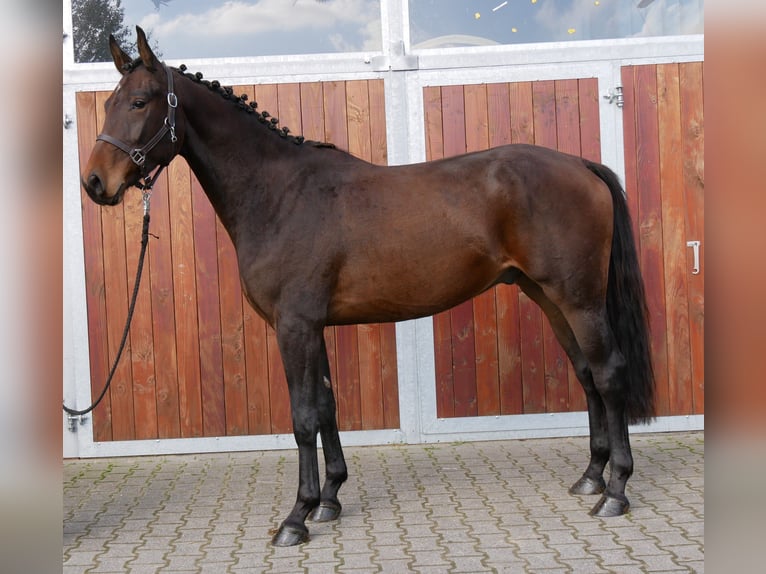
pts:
[233, 155]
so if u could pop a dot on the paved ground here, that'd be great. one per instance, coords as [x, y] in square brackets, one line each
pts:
[498, 506]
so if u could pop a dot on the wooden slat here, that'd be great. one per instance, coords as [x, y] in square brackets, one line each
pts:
[289, 111]
[484, 309]
[232, 336]
[530, 396]
[432, 103]
[692, 124]
[590, 148]
[336, 125]
[558, 367]
[590, 123]
[257, 384]
[461, 317]
[141, 334]
[445, 404]
[368, 336]
[358, 119]
[535, 331]
[258, 371]
[87, 130]
[370, 376]
[568, 116]
[506, 297]
[267, 96]
[208, 313]
[185, 300]
[348, 396]
[233, 353]
[116, 292]
[312, 111]
[163, 312]
[629, 114]
[498, 114]
[378, 137]
[346, 354]
[389, 376]
[115, 287]
[650, 222]
[674, 239]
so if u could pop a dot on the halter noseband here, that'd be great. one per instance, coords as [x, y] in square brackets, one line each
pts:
[138, 155]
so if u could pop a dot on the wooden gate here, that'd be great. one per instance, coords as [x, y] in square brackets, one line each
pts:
[199, 361]
[497, 354]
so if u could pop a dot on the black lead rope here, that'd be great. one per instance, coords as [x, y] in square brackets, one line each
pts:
[147, 187]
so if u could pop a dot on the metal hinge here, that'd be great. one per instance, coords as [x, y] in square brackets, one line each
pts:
[614, 96]
[73, 420]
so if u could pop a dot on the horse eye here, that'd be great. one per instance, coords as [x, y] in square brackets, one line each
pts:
[138, 104]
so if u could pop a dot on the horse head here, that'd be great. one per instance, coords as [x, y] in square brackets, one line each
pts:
[141, 131]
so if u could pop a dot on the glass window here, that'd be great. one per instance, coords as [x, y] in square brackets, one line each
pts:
[227, 28]
[447, 23]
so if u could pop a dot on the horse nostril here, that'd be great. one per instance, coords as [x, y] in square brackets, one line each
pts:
[94, 185]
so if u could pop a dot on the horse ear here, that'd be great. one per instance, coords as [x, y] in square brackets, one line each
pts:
[147, 56]
[121, 59]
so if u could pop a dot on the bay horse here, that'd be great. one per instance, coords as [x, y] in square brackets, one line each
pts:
[323, 238]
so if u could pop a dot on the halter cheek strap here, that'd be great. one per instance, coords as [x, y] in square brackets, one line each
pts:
[138, 155]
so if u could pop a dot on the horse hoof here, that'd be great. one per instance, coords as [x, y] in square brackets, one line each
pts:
[325, 512]
[588, 485]
[610, 506]
[290, 536]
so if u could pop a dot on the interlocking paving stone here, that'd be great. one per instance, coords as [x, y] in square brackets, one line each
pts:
[495, 506]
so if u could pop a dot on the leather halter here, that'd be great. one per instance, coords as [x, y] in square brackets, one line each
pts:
[138, 155]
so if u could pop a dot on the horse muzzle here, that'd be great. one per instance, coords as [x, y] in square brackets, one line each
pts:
[97, 190]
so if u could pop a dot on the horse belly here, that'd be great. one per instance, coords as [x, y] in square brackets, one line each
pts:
[398, 290]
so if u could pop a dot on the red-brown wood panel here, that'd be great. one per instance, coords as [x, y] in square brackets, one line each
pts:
[208, 313]
[674, 239]
[497, 354]
[692, 126]
[664, 140]
[160, 277]
[185, 299]
[199, 360]
[95, 298]
[141, 334]
[649, 222]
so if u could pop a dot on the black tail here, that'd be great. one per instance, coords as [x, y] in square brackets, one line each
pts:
[626, 305]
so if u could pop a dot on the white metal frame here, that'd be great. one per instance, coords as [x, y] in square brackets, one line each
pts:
[405, 73]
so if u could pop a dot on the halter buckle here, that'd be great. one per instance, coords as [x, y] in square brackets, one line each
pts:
[138, 156]
[172, 100]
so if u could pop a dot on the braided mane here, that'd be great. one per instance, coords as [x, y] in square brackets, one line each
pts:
[227, 93]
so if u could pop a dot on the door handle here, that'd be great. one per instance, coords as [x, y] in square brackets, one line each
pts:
[695, 245]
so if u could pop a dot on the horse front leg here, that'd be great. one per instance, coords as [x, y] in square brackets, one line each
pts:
[300, 345]
[336, 471]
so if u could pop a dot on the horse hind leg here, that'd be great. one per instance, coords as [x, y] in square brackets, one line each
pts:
[336, 471]
[592, 480]
[594, 336]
